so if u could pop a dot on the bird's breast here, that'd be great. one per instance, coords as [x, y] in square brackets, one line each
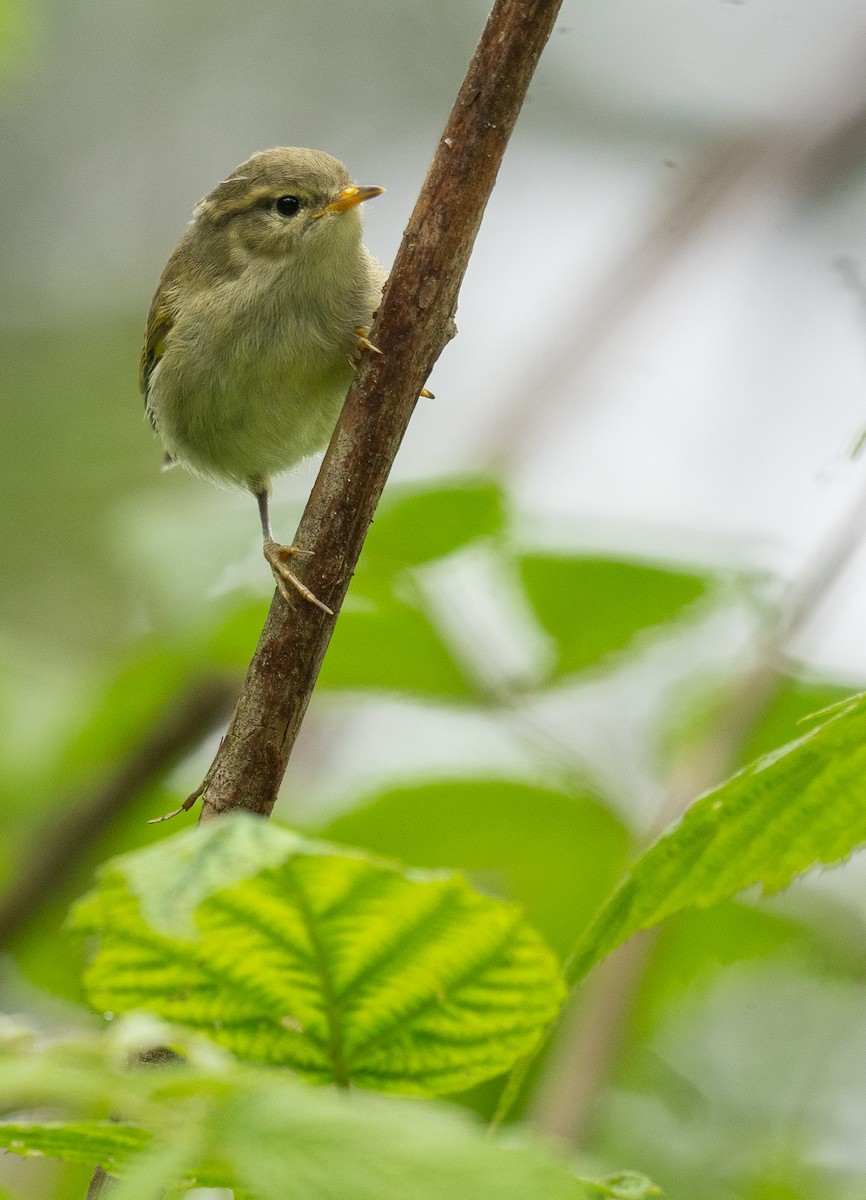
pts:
[252, 380]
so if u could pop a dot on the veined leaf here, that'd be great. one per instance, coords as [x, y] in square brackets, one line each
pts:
[794, 809]
[303, 954]
[593, 607]
[105, 1142]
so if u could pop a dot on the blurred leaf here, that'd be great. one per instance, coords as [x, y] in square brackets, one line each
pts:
[20, 34]
[105, 1142]
[392, 647]
[625, 1185]
[697, 711]
[234, 633]
[301, 954]
[557, 855]
[132, 698]
[384, 644]
[697, 943]
[329, 1146]
[788, 715]
[415, 526]
[593, 607]
[794, 809]
[214, 1122]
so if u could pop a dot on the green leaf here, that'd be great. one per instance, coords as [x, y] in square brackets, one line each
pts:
[794, 704]
[209, 1121]
[291, 1145]
[556, 854]
[234, 632]
[415, 526]
[131, 700]
[104, 1142]
[794, 809]
[625, 1185]
[303, 954]
[391, 647]
[593, 607]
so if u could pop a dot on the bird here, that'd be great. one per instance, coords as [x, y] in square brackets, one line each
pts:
[257, 324]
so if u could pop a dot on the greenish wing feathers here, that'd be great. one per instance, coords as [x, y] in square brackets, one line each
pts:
[159, 325]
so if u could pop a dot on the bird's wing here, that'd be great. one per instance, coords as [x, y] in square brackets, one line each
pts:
[159, 323]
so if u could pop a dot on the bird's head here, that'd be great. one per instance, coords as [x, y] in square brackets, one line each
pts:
[281, 200]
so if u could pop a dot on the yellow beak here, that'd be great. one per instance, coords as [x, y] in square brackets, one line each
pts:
[348, 198]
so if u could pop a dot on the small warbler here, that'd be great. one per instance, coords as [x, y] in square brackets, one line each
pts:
[257, 323]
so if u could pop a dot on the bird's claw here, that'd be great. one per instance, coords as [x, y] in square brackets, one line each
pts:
[364, 343]
[277, 557]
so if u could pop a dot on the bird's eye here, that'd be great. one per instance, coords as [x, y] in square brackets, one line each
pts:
[287, 206]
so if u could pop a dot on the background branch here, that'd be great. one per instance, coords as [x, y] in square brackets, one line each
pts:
[413, 326]
[56, 851]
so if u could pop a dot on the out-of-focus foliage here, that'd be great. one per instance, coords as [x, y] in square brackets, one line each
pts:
[557, 853]
[549, 835]
[593, 607]
[20, 29]
[212, 1122]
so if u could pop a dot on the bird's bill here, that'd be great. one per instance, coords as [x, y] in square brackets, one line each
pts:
[348, 198]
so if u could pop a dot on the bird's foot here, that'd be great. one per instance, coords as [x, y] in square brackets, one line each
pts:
[362, 333]
[364, 343]
[278, 558]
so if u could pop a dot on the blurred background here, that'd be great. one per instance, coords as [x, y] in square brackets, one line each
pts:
[620, 554]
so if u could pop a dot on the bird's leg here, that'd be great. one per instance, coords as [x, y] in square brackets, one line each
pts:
[278, 556]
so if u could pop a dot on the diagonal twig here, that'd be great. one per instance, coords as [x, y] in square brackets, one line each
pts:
[59, 847]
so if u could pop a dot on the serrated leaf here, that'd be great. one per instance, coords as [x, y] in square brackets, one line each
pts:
[303, 954]
[794, 809]
[391, 647]
[593, 607]
[109, 1144]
